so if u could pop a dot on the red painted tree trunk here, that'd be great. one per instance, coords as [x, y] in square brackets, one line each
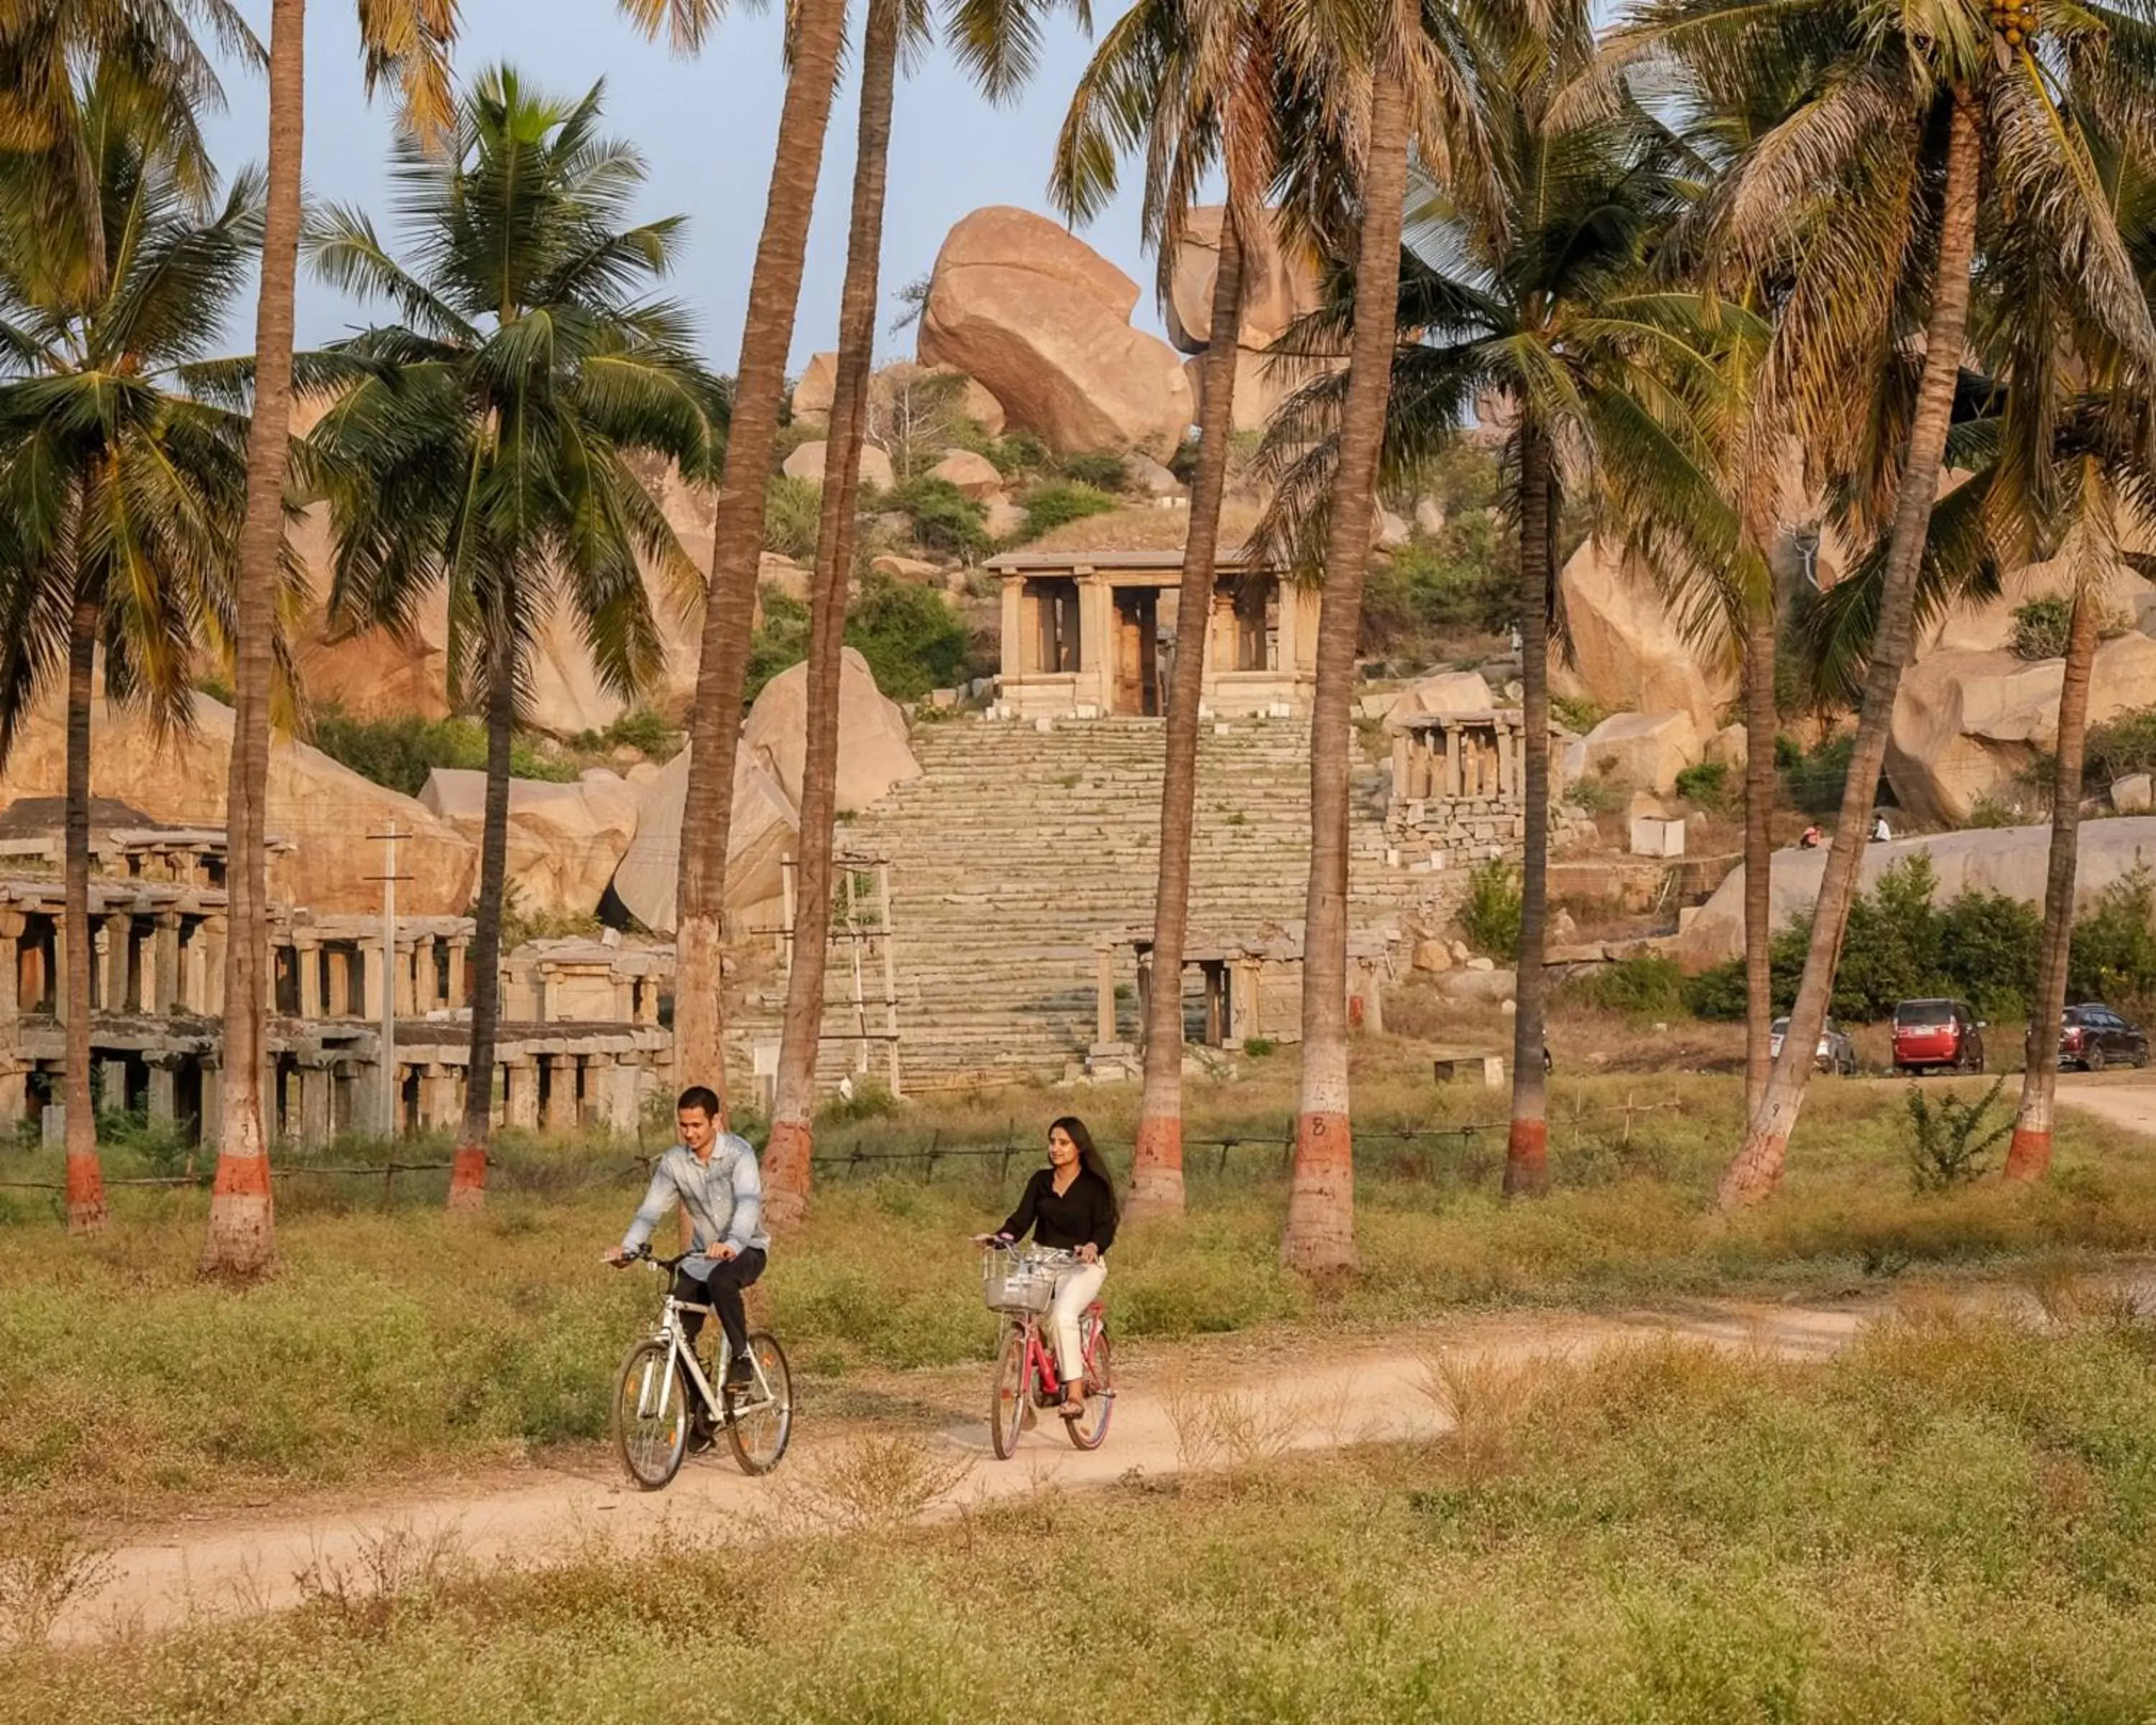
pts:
[786, 1171]
[1757, 1170]
[241, 1240]
[1157, 1168]
[2029, 1156]
[737, 545]
[1320, 1234]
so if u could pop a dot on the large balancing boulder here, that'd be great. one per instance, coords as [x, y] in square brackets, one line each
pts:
[1043, 322]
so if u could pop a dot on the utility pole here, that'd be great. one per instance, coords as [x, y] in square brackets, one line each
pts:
[388, 1054]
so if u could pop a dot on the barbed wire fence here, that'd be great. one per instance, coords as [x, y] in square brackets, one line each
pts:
[1262, 1150]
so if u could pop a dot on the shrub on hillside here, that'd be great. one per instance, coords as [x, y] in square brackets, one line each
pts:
[1648, 987]
[2114, 956]
[1459, 584]
[1707, 784]
[400, 752]
[1049, 506]
[944, 518]
[1102, 470]
[790, 508]
[1490, 919]
[2124, 744]
[911, 637]
[2041, 626]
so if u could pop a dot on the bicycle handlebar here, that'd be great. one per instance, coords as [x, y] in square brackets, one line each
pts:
[644, 1255]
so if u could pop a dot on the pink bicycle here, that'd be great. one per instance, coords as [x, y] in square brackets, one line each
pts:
[1018, 1283]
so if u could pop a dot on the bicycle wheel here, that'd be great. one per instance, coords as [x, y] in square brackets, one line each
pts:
[1007, 1411]
[650, 1415]
[1091, 1431]
[760, 1421]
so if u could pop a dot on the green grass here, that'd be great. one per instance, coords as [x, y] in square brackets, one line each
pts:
[396, 1339]
[1949, 1523]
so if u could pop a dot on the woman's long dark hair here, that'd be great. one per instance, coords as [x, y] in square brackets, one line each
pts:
[1089, 1158]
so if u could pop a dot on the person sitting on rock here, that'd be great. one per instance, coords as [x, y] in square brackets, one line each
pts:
[1881, 834]
[1813, 838]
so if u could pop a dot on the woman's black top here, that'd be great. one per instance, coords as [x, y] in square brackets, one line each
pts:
[1086, 1213]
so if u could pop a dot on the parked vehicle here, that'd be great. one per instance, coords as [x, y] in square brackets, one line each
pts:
[2092, 1037]
[1836, 1053]
[1935, 1035]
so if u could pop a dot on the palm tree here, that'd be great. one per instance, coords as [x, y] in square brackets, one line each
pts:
[995, 42]
[120, 491]
[787, 1155]
[1542, 297]
[818, 29]
[484, 441]
[407, 41]
[1191, 84]
[1897, 138]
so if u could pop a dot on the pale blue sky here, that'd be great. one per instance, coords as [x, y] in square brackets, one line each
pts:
[707, 128]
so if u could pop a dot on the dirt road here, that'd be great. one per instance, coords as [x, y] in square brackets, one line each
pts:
[1322, 1396]
[2125, 1099]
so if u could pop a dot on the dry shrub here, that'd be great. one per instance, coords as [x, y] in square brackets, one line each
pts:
[2072, 1300]
[43, 1567]
[1241, 1429]
[1487, 1400]
[873, 1483]
[396, 1568]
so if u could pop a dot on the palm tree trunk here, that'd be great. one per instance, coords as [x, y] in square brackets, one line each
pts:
[2029, 1156]
[1157, 1168]
[1757, 1168]
[787, 1156]
[1760, 718]
[468, 1168]
[85, 1177]
[738, 542]
[1320, 1234]
[1527, 1148]
[242, 1241]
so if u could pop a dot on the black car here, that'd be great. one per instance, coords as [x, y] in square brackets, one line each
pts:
[2093, 1037]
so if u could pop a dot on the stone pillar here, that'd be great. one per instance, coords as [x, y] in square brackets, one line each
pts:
[11, 973]
[561, 1093]
[60, 1002]
[100, 967]
[434, 1084]
[307, 955]
[598, 1087]
[426, 991]
[1289, 637]
[336, 993]
[1104, 995]
[1017, 647]
[460, 994]
[211, 935]
[374, 978]
[1096, 641]
[314, 1125]
[521, 1107]
[170, 993]
[14, 1094]
[113, 1084]
[407, 1003]
[164, 1090]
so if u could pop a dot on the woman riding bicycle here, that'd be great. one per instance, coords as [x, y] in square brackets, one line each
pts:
[1069, 1206]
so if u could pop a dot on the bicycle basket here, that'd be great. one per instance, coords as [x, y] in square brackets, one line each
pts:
[1010, 1283]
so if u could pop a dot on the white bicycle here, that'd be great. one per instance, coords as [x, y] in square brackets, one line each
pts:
[662, 1388]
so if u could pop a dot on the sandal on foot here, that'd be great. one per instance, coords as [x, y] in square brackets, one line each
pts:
[1071, 1410]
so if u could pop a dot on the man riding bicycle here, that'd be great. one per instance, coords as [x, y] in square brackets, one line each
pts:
[711, 1173]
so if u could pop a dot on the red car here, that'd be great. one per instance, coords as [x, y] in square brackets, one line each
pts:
[1930, 1035]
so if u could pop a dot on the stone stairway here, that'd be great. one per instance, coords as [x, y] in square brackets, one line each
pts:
[1017, 850]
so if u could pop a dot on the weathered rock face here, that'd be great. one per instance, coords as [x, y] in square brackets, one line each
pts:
[1989, 628]
[1647, 750]
[974, 474]
[325, 811]
[1442, 692]
[1279, 284]
[873, 755]
[375, 677]
[1967, 723]
[565, 841]
[762, 835]
[2011, 860]
[806, 463]
[1043, 321]
[817, 388]
[1627, 654]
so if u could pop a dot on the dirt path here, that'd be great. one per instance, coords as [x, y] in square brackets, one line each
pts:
[1322, 1397]
[2126, 1100]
